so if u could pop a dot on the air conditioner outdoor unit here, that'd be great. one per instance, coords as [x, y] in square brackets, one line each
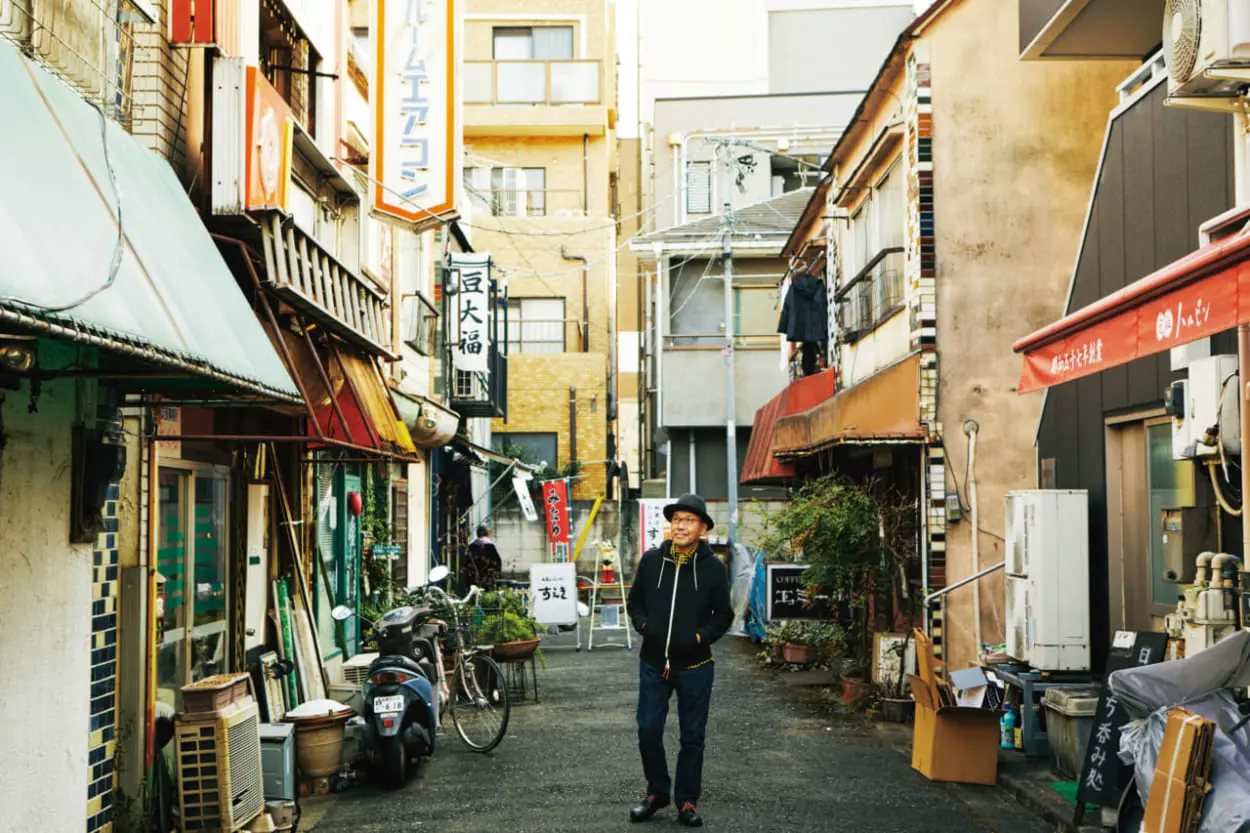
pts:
[1206, 44]
[220, 786]
[356, 669]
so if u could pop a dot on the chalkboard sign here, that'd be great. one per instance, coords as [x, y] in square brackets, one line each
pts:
[1104, 775]
[787, 598]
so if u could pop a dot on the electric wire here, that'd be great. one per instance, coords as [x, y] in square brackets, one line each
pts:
[118, 244]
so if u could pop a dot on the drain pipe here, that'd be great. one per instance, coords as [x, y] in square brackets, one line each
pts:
[971, 428]
[572, 424]
[585, 294]
[586, 174]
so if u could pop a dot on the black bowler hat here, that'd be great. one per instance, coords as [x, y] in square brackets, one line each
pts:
[693, 504]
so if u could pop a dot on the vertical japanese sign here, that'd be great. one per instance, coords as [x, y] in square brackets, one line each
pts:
[522, 489]
[1104, 776]
[556, 510]
[655, 527]
[415, 99]
[472, 305]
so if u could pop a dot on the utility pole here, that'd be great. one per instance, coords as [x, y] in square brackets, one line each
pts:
[731, 429]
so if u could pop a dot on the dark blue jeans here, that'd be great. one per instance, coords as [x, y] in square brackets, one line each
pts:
[694, 695]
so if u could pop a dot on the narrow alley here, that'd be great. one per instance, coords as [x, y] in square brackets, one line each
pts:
[569, 765]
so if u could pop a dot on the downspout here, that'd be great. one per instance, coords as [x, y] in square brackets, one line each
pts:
[1241, 187]
[572, 425]
[679, 205]
[690, 461]
[970, 428]
[586, 174]
[924, 536]
[585, 294]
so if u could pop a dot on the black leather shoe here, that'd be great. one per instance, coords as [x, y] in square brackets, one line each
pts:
[688, 817]
[648, 808]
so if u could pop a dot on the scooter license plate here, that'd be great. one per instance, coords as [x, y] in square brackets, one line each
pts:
[385, 705]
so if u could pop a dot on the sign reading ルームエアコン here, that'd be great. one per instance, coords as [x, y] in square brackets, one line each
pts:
[415, 159]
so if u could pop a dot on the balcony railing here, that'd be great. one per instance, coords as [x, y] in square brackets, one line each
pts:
[88, 43]
[536, 336]
[521, 202]
[874, 294]
[532, 82]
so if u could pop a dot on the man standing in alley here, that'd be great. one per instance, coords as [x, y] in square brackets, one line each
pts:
[679, 602]
[484, 564]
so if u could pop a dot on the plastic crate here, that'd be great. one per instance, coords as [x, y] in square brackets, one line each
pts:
[214, 694]
[220, 785]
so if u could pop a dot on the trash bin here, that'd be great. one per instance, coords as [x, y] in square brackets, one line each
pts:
[1070, 716]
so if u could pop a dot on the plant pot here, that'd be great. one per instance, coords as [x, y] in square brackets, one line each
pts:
[898, 710]
[855, 689]
[516, 651]
[796, 654]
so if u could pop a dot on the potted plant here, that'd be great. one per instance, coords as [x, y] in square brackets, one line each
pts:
[856, 543]
[796, 643]
[508, 627]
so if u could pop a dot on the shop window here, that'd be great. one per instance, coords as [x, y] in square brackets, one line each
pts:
[192, 557]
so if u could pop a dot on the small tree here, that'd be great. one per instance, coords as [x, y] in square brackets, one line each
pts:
[858, 542]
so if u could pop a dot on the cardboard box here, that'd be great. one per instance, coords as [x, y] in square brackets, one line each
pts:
[950, 743]
[1180, 783]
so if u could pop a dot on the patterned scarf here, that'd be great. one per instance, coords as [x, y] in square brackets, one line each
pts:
[682, 556]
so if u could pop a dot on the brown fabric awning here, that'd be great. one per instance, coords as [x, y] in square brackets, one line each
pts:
[882, 408]
[761, 467]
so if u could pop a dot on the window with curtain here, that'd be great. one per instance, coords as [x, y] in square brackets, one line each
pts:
[508, 192]
[524, 43]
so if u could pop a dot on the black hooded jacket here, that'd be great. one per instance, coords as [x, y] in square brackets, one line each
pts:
[695, 599]
[805, 311]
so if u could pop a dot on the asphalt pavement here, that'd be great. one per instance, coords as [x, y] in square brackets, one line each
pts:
[569, 764]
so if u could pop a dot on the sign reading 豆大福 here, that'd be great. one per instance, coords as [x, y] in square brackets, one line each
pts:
[471, 348]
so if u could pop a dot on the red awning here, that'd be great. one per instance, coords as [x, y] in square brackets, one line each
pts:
[760, 466]
[1192, 298]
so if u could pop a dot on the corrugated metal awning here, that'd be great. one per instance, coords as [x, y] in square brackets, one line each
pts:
[884, 408]
[173, 303]
[761, 467]
[1192, 298]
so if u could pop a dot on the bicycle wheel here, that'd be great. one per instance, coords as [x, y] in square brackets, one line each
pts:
[480, 704]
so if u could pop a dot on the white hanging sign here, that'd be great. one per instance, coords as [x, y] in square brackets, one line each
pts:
[473, 314]
[522, 489]
[553, 591]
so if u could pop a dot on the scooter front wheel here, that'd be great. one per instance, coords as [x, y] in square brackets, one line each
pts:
[392, 762]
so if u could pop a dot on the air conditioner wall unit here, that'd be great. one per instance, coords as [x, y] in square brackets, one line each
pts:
[1206, 45]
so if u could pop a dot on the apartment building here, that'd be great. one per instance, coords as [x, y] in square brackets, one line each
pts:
[541, 182]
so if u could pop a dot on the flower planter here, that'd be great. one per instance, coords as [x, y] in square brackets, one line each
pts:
[855, 689]
[898, 710]
[796, 654]
[515, 651]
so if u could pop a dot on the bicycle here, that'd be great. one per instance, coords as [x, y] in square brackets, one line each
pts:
[479, 693]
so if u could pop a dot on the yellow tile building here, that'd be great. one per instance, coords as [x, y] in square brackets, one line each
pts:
[541, 179]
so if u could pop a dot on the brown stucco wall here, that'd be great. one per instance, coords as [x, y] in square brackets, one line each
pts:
[1015, 149]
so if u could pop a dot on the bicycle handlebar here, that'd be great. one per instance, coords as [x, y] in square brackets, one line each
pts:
[473, 593]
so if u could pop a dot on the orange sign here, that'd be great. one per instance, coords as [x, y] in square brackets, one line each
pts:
[270, 132]
[1185, 314]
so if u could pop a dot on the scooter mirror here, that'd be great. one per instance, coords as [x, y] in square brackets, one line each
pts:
[439, 573]
[342, 613]
[583, 609]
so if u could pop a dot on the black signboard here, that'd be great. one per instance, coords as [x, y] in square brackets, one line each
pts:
[789, 599]
[1104, 776]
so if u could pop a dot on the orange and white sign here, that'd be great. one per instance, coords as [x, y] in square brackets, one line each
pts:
[269, 135]
[415, 99]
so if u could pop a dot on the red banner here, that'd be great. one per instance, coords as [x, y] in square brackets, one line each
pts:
[559, 518]
[1185, 314]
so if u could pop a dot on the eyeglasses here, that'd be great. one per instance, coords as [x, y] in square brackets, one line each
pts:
[685, 520]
